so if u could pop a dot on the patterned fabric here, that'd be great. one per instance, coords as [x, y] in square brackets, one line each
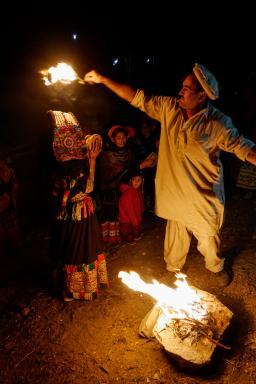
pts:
[70, 189]
[110, 232]
[80, 209]
[69, 138]
[76, 244]
[247, 176]
[83, 281]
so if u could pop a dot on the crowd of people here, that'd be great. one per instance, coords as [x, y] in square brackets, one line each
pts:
[189, 181]
[95, 206]
[123, 156]
[169, 165]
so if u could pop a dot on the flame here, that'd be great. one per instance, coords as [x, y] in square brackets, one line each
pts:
[182, 302]
[63, 73]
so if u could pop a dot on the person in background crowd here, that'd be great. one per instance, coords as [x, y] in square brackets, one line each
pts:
[148, 150]
[189, 179]
[10, 237]
[246, 177]
[115, 161]
[131, 208]
[76, 244]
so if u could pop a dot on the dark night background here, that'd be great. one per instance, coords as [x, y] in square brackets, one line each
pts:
[43, 339]
[174, 38]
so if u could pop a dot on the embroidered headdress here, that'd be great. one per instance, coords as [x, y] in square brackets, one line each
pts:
[69, 139]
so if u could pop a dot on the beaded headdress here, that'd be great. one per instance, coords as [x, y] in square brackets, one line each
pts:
[69, 140]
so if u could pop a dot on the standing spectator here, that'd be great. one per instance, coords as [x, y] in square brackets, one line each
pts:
[131, 208]
[246, 178]
[115, 161]
[10, 238]
[148, 151]
[76, 243]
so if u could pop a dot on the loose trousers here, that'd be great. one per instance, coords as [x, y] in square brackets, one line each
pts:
[177, 242]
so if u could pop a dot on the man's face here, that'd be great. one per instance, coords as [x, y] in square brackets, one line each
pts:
[190, 97]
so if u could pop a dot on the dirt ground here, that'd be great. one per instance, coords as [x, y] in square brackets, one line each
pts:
[44, 340]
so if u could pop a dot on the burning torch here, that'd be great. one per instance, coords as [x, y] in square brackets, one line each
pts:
[62, 73]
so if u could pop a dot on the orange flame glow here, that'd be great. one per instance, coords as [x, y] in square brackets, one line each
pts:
[184, 301]
[63, 73]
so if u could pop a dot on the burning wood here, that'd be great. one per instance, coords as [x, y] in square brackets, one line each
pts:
[188, 322]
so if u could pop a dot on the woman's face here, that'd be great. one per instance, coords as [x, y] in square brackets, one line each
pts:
[120, 139]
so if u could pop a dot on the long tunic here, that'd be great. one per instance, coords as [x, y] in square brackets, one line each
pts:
[189, 178]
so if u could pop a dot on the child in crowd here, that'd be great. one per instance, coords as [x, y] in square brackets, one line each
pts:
[131, 208]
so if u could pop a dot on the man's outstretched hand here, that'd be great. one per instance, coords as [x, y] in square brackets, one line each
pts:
[93, 77]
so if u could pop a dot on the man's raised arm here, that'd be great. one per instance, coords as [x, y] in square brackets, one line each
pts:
[251, 157]
[124, 91]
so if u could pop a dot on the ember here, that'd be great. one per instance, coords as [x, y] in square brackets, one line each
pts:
[187, 321]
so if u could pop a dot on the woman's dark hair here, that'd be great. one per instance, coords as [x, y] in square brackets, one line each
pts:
[118, 130]
[72, 168]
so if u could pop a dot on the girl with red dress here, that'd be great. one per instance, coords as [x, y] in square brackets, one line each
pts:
[131, 208]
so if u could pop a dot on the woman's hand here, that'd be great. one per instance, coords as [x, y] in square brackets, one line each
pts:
[94, 146]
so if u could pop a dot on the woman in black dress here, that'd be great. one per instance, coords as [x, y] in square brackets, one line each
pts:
[76, 243]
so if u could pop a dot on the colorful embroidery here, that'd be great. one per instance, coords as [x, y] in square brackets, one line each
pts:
[247, 176]
[83, 281]
[110, 232]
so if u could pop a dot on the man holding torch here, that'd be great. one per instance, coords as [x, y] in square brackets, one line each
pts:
[189, 180]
